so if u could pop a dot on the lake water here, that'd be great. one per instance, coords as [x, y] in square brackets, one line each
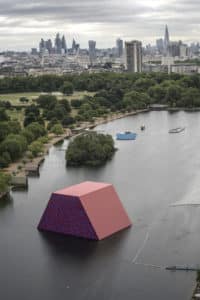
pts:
[150, 175]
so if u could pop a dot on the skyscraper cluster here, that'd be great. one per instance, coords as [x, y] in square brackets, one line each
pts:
[58, 47]
[166, 47]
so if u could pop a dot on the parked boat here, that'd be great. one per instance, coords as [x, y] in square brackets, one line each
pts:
[127, 135]
[177, 130]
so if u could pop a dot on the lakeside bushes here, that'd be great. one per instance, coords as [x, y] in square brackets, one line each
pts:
[4, 183]
[13, 146]
[90, 149]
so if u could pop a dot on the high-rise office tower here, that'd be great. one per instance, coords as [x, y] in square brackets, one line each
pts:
[75, 47]
[166, 41]
[49, 46]
[119, 46]
[73, 44]
[64, 44]
[41, 46]
[58, 44]
[92, 51]
[133, 56]
[160, 45]
[183, 50]
[174, 49]
[34, 51]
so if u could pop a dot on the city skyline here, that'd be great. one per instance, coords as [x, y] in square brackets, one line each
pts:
[22, 23]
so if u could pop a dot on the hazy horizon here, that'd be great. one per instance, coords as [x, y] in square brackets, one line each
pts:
[22, 24]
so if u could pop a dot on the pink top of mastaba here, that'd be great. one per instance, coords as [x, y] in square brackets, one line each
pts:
[82, 189]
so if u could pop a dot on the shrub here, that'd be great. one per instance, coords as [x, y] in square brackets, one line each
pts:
[57, 129]
[35, 148]
[68, 121]
[5, 160]
[4, 182]
[43, 139]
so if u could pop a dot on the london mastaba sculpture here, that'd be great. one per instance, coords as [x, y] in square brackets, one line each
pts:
[89, 210]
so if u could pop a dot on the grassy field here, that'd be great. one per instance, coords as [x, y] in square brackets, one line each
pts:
[14, 98]
[19, 114]
[16, 115]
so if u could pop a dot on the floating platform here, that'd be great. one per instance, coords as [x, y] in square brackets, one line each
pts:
[127, 135]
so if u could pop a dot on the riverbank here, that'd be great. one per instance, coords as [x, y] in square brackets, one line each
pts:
[3, 195]
[25, 167]
[109, 118]
[21, 167]
[196, 293]
[162, 107]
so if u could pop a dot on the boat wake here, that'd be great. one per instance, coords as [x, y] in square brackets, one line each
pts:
[151, 266]
[147, 236]
[141, 248]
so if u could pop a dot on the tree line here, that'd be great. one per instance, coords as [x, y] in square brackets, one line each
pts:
[112, 92]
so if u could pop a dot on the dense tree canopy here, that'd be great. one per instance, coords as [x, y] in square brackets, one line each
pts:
[67, 88]
[90, 149]
[4, 182]
[15, 145]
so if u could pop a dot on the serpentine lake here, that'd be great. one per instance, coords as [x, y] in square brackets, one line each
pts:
[158, 180]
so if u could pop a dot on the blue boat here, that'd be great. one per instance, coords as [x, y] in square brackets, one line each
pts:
[127, 135]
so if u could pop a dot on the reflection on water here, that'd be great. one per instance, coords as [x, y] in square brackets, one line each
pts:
[79, 249]
[6, 201]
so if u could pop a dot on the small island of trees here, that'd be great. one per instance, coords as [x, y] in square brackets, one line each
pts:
[90, 149]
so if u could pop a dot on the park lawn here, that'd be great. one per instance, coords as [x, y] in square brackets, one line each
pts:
[14, 97]
[80, 95]
[16, 115]
[75, 95]
[74, 112]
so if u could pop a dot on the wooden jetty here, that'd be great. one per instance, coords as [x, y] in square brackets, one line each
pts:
[32, 169]
[19, 182]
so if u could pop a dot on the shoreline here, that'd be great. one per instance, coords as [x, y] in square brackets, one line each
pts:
[22, 170]
[196, 290]
[3, 195]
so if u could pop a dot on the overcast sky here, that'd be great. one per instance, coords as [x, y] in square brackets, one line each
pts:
[24, 22]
